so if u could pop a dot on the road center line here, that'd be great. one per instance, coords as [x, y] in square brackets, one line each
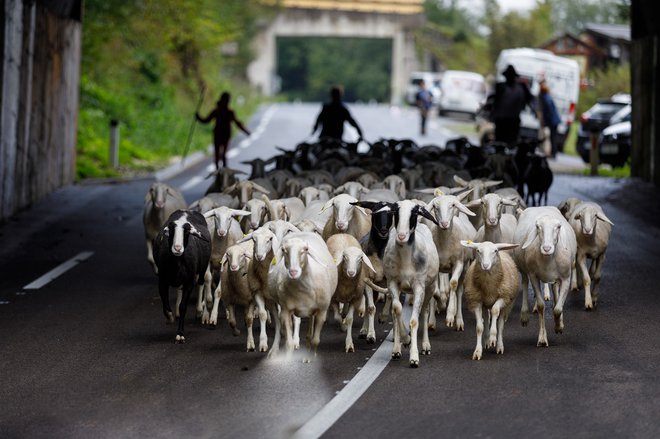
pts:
[344, 400]
[58, 271]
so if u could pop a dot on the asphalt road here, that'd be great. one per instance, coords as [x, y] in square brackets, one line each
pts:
[89, 354]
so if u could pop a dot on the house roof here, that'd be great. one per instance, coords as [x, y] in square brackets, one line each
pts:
[614, 31]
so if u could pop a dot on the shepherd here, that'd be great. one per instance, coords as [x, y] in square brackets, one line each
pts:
[224, 116]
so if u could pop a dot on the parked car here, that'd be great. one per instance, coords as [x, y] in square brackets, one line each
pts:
[461, 92]
[597, 118]
[615, 142]
[432, 81]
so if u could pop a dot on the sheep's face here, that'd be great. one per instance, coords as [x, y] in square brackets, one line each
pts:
[178, 233]
[237, 258]
[281, 228]
[158, 194]
[263, 243]
[294, 253]
[222, 219]
[548, 231]
[492, 209]
[587, 218]
[257, 209]
[351, 258]
[343, 214]
[487, 255]
[445, 210]
[309, 194]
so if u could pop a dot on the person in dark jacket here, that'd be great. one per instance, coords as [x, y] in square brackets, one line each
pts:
[510, 99]
[550, 117]
[424, 100]
[224, 116]
[332, 117]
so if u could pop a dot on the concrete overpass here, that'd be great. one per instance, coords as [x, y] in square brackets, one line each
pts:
[391, 19]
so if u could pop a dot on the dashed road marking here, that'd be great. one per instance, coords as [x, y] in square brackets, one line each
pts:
[58, 271]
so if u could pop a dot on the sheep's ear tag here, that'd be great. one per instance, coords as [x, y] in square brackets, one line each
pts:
[274, 261]
[470, 242]
[438, 193]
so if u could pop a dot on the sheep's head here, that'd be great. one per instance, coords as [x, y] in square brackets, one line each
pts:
[588, 215]
[158, 194]
[236, 257]
[492, 205]
[178, 233]
[222, 218]
[382, 216]
[405, 219]
[342, 210]
[487, 252]
[446, 207]
[264, 242]
[547, 230]
[352, 259]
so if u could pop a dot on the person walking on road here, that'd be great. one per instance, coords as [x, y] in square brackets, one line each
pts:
[332, 117]
[424, 100]
[549, 116]
[224, 116]
[510, 99]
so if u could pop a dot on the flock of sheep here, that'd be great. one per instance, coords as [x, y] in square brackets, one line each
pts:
[330, 228]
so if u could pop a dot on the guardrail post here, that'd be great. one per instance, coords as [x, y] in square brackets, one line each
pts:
[593, 154]
[114, 143]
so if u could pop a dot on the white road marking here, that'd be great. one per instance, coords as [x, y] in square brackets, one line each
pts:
[194, 181]
[344, 400]
[261, 128]
[58, 271]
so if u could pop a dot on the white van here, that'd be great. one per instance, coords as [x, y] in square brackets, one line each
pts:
[461, 92]
[562, 76]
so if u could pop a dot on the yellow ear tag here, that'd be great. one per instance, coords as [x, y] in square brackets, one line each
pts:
[439, 193]
[274, 261]
[470, 241]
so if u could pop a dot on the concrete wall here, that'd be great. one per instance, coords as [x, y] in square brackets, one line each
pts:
[645, 78]
[39, 99]
[323, 23]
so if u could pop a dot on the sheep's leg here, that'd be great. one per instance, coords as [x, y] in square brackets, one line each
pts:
[286, 319]
[336, 313]
[443, 286]
[278, 331]
[494, 318]
[460, 326]
[430, 319]
[504, 316]
[574, 280]
[348, 321]
[453, 286]
[426, 343]
[263, 317]
[296, 332]
[476, 355]
[163, 290]
[558, 310]
[179, 295]
[586, 280]
[249, 321]
[387, 309]
[231, 317]
[396, 317]
[540, 306]
[217, 295]
[546, 292]
[524, 307]
[597, 266]
[319, 321]
[200, 300]
[208, 296]
[150, 256]
[368, 329]
[180, 335]
[418, 297]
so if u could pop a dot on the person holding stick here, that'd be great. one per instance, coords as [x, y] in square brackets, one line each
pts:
[224, 116]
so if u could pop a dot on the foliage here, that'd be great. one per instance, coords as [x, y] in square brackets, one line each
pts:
[361, 65]
[614, 79]
[572, 15]
[144, 64]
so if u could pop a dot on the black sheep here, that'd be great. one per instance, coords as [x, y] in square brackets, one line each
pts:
[182, 251]
[538, 178]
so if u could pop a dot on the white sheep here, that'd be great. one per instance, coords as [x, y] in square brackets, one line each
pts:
[244, 190]
[234, 289]
[258, 214]
[160, 202]
[453, 227]
[491, 284]
[592, 230]
[225, 232]
[396, 184]
[288, 209]
[302, 282]
[497, 225]
[567, 205]
[311, 193]
[346, 218]
[478, 187]
[352, 188]
[410, 263]
[213, 200]
[353, 279]
[546, 254]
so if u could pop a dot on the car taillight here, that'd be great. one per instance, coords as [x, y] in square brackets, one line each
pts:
[571, 113]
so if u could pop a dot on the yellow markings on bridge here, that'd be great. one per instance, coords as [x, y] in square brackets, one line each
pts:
[404, 7]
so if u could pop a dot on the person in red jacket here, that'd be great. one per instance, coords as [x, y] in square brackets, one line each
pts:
[224, 116]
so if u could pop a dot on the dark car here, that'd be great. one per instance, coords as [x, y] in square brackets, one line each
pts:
[615, 141]
[597, 118]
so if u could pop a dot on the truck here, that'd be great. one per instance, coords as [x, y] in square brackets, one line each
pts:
[562, 76]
